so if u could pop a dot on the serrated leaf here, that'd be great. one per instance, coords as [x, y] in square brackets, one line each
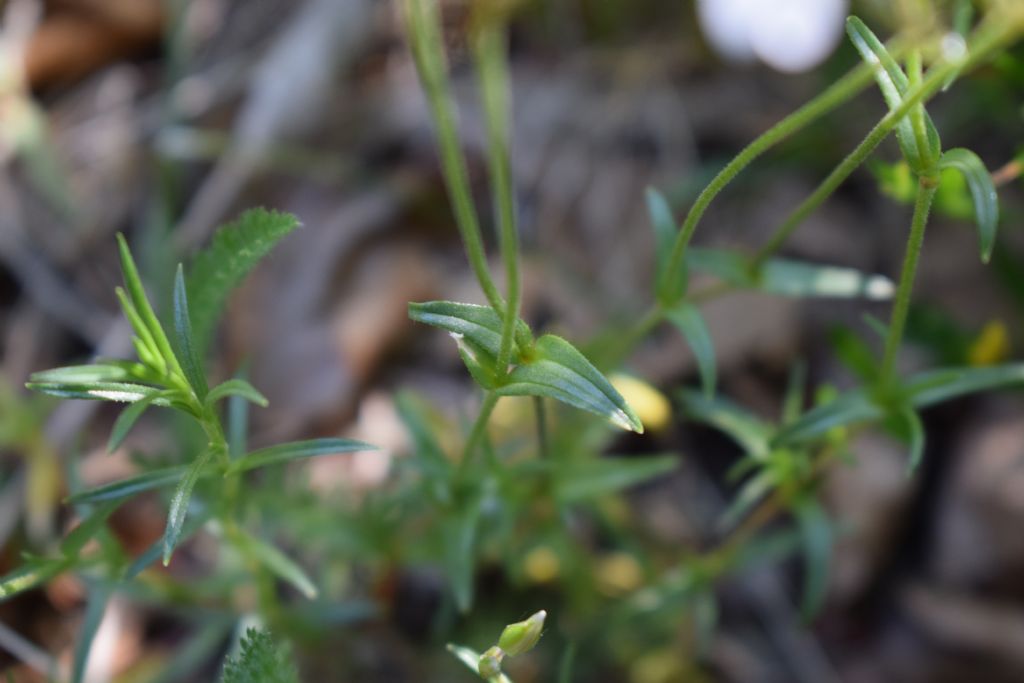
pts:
[751, 433]
[236, 387]
[295, 450]
[785, 277]
[190, 360]
[983, 195]
[95, 606]
[236, 248]
[30, 575]
[665, 230]
[557, 370]
[146, 481]
[480, 325]
[594, 477]
[280, 564]
[688, 319]
[129, 416]
[893, 83]
[816, 540]
[179, 504]
[260, 660]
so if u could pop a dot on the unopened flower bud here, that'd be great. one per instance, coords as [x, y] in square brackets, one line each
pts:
[522, 636]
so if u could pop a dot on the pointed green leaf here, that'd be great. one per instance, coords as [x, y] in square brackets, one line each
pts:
[853, 407]
[193, 524]
[190, 361]
[295, 450]
[236, 387]
[236, 248]
[893, 83]
[129, 416]
[31, 574]
[84, 374]
[691, 323]
[916, 433]
[793, 403]
[665, 229]
[124, 488]
[87, 529]
[854, 353]
[937, 386]
[460, 531]
[749, 494]
[280, 564]
[557, 370]
[594, 477]
[750, 432]
[122, 392]
[95, 606]
[179, 504]
[816, 538]
[784, 277]
[147, 318]
[983, 195]
[478, 324]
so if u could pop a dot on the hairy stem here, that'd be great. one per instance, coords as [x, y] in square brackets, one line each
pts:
[428, 51]
[922, 205]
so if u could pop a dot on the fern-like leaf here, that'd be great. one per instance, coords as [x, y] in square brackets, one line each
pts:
[260, 660]
[235, 250]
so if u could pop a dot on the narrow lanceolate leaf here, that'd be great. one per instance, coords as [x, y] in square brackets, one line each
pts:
[296, 450]
[750, 432]
[122, 392]
[129, 416]
[557, 370]
[190, 360]
[96, 605]
[665, 229]
[280, 564]
[983, 195]
[937, 386]
[915, 432]
[853, 407]
[893, 83]
[86, 374]
[752, 491]
[460, 532]
[691, 323]
[591, 478]
[179, 504]
[477, 324]
[236, 387]
[152, 554]
[30, 575]
[235, 250]
[147, 318]
[816, 538]
[784, 277]
[87, 529]
[124, 488]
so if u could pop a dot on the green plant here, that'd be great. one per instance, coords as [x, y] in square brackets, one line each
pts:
[260, 660]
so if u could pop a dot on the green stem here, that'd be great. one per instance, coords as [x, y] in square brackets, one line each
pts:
[925, 194]
[838, 93]
[989, 38]
[428, 51]
[479, 429]
[490, 52]
[542, 427]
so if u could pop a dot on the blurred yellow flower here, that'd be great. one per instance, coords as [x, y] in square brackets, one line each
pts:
[991, 346]
[650, 405]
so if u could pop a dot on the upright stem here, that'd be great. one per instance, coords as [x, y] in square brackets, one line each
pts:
[989, 38]
[839, 92]
[542, 427]
[490, 51]
[479, 429]
[428, 51]
[922, 205]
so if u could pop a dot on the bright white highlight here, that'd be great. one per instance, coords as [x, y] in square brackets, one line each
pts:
[788, 35]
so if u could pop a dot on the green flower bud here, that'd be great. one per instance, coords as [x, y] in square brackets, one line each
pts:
[490, 663]
[522, 636]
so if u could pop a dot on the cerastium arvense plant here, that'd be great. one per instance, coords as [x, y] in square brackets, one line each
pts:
[518, 501]
[785, 459]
